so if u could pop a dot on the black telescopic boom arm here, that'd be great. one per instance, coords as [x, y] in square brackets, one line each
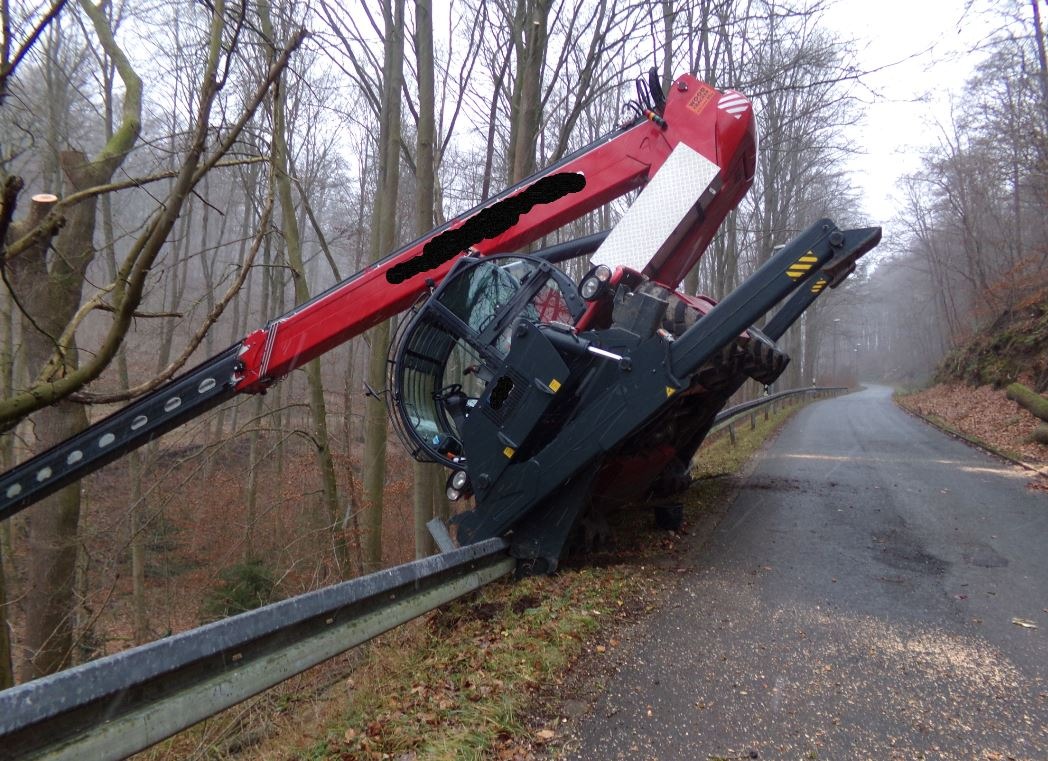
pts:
[191, 394]
[634, 391]
[832, 274]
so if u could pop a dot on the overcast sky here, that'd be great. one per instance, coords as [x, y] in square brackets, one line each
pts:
[936, 37]
[929, 43]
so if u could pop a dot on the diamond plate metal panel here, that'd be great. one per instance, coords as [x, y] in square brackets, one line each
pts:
[658, 211]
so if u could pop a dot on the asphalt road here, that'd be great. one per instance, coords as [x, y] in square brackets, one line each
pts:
[855, 602]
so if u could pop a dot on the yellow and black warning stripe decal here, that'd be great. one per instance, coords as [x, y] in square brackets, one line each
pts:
[802, 266]
[818, 285]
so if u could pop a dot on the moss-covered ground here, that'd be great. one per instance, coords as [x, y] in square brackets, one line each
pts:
[1014, 348]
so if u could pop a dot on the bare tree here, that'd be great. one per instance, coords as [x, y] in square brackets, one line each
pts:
[383, 227]
[293, 241]
[49, 292]
[424, 473]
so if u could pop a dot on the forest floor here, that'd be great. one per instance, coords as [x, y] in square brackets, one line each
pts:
[482, 677]
[982, 414]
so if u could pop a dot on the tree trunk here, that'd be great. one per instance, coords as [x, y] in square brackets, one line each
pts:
[52, 547]
[235, 321]
[668, 17]
[383, 232]
[7, 460]
[7, 673]
[424, 472]
[532, 18]
[489, 151]
[258, 405]
[1042, 56]
[1029, 400]
[809, 325]
[251, 484]
[136, 517]
[52, 288]
[53, 295]
[292, 237]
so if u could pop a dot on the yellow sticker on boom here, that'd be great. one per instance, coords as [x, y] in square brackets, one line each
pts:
[509, 452]
[818, 285]
[802, 266]
[554, 385]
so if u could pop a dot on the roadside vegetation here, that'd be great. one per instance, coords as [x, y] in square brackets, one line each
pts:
[969, 395]
[1013, 348]
[491, 675]
[984, 415]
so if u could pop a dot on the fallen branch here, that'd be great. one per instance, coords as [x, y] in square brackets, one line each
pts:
[1029, 400]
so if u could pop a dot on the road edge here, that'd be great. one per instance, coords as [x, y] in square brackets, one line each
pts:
[969, 440]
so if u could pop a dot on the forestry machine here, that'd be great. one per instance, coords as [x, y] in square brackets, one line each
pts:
[539, 394]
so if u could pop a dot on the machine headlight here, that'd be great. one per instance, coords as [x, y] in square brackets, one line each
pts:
[593, 284]
[457, 486]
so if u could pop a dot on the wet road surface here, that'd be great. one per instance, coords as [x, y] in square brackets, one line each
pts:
[857, 601]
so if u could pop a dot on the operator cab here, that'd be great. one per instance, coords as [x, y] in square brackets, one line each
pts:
[456, 342]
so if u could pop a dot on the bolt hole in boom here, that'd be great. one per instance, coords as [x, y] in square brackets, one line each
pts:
[453, 347]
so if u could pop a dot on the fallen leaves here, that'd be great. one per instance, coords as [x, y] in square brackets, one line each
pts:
[984, 413]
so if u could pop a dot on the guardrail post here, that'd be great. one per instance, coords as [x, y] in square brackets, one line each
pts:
[731, 432]
[753, 421]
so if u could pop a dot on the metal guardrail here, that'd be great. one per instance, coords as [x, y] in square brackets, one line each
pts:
[727, 417]
[123, 703]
